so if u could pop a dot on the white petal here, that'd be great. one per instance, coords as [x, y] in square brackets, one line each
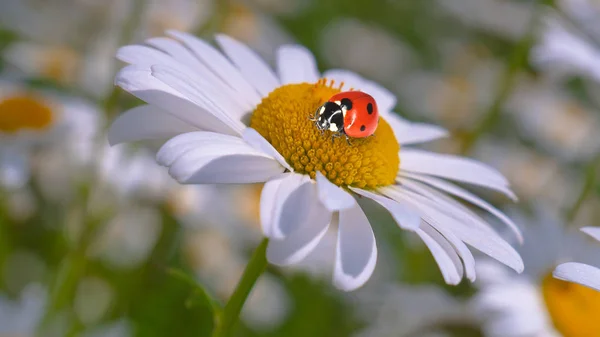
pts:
[201, 93]
[143, 85]
[216, 61]
[292, 204]
[468, 196]
[146, 122]
[580, 273]
[144, 56]
[444, 203]
[356, 251]
[14, 167]
[296, 64]
[255, 139]
[459, 247]
[176, 50]
[592, 231]
[179, 145]
[253, 67]
[296, 246]
[384, 98]
[332, 196]
[413, 133]
[268, 199]
[444, 261]
[200, 71]
[454, 168]
[485, 241]
[210, 158]
[405, 216]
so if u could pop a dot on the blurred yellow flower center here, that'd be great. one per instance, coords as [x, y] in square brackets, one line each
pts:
[574, 309]
[24, 112]
[60, 64]
[283, 118]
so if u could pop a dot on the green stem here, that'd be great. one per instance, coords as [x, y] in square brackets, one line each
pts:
[591, 174]
[231, 312]
[517, 61]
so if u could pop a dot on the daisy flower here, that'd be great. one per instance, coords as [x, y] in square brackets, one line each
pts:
[229, 118]
[31, 119]
[535, 303]
[562, 49]
[410, 310]
[19, 317]
[580, 272]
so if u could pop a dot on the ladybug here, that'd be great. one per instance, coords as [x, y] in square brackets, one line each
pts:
[350, 113]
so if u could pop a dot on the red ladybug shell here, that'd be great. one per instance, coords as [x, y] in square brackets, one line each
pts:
[361, 117]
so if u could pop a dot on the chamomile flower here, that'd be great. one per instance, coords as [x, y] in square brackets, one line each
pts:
[31, 119]
[562, 49]
[229, 118]
[536, 303]
[408, 310]
[581, 273]
[20, 317]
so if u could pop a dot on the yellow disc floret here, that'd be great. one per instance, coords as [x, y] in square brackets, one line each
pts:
[574, 309]
[23, 112]
[283, 118]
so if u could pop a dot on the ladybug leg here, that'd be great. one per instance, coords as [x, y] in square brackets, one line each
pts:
[348, 140]
[334, 136]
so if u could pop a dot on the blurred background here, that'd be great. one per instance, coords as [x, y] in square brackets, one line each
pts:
[99, 241]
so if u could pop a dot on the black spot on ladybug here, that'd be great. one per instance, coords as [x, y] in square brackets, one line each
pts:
[370, 108]
[362, 128]
[346, 103]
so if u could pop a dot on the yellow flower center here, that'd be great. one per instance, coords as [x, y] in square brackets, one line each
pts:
[574, 309]
[283, 118]
[60, 64]
[24, 112]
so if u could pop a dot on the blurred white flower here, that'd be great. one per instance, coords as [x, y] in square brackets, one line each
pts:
[21, 204]
[558, 123]
[183, 15]
[133, 173]
[579, 272]
[568, 42]
[59, 63]
[457, 95]
[33, 119]
[508, 19]
[535, 303]
[392, 56]
[53, 21]
[92, 299]
[129, 236]
[200, 99]
[535, 176]
[256, 29]
[20, 317]
[410, 310]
